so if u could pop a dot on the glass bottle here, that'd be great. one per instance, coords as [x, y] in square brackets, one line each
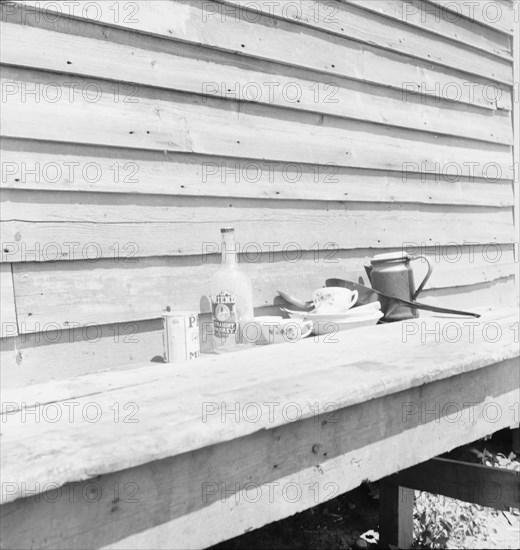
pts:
[232, 299]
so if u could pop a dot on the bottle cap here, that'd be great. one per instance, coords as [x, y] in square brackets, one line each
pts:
[227, 229]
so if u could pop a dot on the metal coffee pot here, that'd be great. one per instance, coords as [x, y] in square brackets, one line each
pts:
[392, 275]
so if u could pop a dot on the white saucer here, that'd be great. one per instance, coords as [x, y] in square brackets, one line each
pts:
[355, 312]
[329, 326]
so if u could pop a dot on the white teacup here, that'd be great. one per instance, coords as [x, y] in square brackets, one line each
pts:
[334, 299]
[277, 330]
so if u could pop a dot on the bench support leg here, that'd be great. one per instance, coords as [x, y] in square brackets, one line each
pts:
[395, 515]
[441, 476]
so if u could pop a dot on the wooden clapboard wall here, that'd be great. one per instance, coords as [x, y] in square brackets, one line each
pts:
[325, 132]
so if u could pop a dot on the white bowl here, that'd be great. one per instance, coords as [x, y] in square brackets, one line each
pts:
[359, 311]
[332, 326]
[355, 312]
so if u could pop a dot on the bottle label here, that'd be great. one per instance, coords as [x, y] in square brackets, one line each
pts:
[224, 314]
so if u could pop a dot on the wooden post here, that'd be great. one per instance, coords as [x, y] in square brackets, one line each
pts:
[395, 515]
[516, 440]
[485, 485]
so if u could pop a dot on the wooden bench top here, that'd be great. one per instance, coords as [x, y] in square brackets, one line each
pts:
[111, 421]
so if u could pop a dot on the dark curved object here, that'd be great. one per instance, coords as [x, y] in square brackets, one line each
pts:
[388, 303]
[426, 278]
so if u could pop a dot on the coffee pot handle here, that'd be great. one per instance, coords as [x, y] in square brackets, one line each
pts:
[425, 280]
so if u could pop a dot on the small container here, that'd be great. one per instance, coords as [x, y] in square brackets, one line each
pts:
[392, 275]
[180, 336]
[231, 299]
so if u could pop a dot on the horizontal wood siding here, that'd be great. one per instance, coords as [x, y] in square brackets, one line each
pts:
[437, 20]
[8, 323]
[324, 133]
[499, 14]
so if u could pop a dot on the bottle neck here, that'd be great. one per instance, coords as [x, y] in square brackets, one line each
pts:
[229, 254]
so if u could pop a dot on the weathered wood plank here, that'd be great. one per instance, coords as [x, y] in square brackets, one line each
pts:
[498, 293]
[149, 61]
[38, 206]
[280, 41]
[182, 388]
[395, 516]
[176, 122]
[108, 291]
[57, 167]
[436, 20]
[92, 227]
[8, 320]
[463, 481]
[339, 451]
[280, 481]
[350, 22]
[497, 15]
[61, 352]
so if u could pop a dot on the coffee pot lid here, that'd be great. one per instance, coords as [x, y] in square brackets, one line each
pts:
[391, 257]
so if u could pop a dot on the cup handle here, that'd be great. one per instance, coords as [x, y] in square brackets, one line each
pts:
[355, 295]
[311, 326]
